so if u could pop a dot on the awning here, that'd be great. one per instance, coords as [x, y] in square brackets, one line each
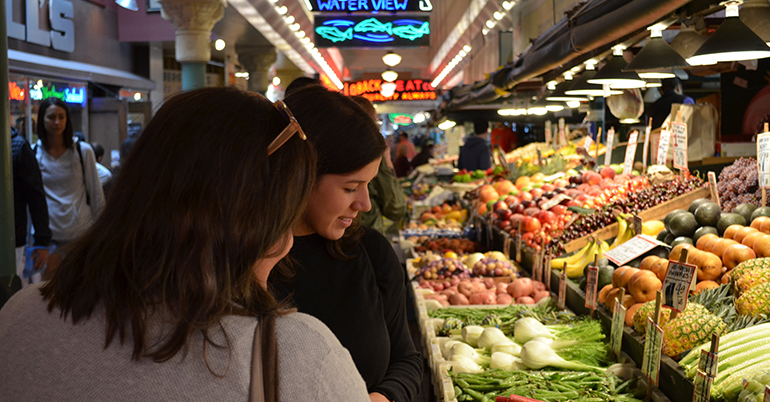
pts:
[28, 63]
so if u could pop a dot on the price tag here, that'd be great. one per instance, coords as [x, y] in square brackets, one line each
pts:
[646, 147]
[610, 142]
[665, 139]
[537, 268]
[676, 286]
[592, 281]
[702, 390]
[628, 163]
[679, 136]
[637, 224]
[616, 332]
[547, 271]
[548, 131]
[518, 241]
[507, 247]
[713, 188]
[556, 200]
[631, 249]
[539, 158]
[767, 394]
[562, 288]
[652, 347]
[708, 362]
[562, 133]
[588, 142]
[763, 159]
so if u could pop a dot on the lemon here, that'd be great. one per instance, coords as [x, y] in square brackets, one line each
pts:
[652, 228]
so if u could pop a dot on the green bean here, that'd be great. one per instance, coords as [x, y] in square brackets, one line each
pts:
[474, 394]
[458, 391]
[462, 383]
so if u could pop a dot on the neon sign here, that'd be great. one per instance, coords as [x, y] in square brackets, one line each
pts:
[406, 90]
[362, 31]
[372, 6]
[74, 95]
[401, 119]
[15, 93]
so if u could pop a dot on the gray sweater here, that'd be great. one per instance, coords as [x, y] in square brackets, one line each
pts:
[46, 359]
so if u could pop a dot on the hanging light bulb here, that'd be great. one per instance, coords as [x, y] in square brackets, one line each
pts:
[389, 75]
[391, 59]
[446, 125]
[656, 59]
[613, 75]
[732, 41]
[582, 87]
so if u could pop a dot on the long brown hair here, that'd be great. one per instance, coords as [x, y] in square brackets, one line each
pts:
[197, 204]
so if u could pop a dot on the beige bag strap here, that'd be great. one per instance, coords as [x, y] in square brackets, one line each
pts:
[264, 363]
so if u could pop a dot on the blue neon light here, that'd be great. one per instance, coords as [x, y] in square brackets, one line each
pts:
[373, 30]
[340, 23]
[374, 39]
[364, 5]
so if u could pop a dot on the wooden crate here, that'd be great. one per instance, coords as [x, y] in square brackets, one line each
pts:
[656, 212]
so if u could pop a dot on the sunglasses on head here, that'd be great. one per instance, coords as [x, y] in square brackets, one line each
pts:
[288, 132]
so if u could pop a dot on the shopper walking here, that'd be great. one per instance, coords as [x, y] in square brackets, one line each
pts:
[475, 154]
[72, 187]
[163, 298]
[348, 276]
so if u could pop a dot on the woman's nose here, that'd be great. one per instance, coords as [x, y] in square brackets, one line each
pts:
[362, 202]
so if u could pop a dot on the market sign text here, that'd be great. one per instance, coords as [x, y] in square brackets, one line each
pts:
[372, 6]
[15, 92]
[358, 31]
[60, 16]
[406, 90]
[75, 95]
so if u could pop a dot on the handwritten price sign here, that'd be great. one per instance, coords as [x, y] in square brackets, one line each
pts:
[676, 286]
[628, 163]
[665, 139]
[763, 159]
[618, 321]
[652, 347]
[679, 136]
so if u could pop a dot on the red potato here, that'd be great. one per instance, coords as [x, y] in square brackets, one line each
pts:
[489, 283]
[438, 286]
[538, 286]
[502, 288]
[454, 281]
[504, 298]
[437, 297]
[449, 292]
[525, 300]
[540, 294]
[458, 299]
[482, 298]
[520, 287]
[466, 288]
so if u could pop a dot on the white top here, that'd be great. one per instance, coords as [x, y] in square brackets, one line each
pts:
[48, 359]
[104, 174]
[65, 190]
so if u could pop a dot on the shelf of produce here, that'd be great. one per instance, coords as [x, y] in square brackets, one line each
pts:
[656, 212]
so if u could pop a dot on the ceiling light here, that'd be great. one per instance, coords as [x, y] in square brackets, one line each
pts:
[560, 95]
[219, 44]
[289, 19]
[573, 104]
[388, 86]
[294, 27]
[498, 15]
[305, 40]
[656, 59]
[582, 87]
[756, 14]
[537, 110]
[613, 75]
[300, 34]
[418, 118]
[508, 5]
[391, 59]
[282, 10]
[490, 24]
[137, 96]
[462, 53]
[653, 83]
[553, 107]
[276, 81]
[127, 4]
[629, 121]
[389, 75]
[484, 31]
[446, 125]
[732, 41]
[467, 48]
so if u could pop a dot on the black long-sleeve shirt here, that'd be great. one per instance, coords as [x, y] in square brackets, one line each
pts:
[28, 192]
[363, 302]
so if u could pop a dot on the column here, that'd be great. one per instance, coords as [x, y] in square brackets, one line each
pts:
[193, 20]
[257, 60]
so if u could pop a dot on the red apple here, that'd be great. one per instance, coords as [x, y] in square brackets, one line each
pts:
[504, 214]
[524, 196]
[519, 209]
[548, 187]
[499, 205]
[608, 172]
[536, 192]
[560, 183]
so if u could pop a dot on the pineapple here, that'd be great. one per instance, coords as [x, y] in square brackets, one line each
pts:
[752, 278]
[754, 301]
[748, 266]
[648, 310]
[690, 329]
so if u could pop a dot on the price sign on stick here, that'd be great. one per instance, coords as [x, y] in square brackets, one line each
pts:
[665, 139]
[537, 268]
[676, 286]
[763, 159]
[631, 249]
[563, 287]
[610, 142]
[562, 133]
[679, 136]
[646, 144]
[547, 271]
[518, 241]
[548, 132]
[598, 141]
[507, 247]
[713, 188]
[588, 142]
[592, 281]
[652, 347]
[702, 390]
[618, 321]
[767, 394]
[628, 163]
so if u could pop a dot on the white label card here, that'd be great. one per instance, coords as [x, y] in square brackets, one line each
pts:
[618, 322]
[646, 147]
[592, 282]
[763, 159]
[652, 347]
[665, 139]
[708, 362]
[628, 163]
[676, 286]
[556, 200]
[588, 142]
[548, 131]
[679, 136]
[507, 246]
[610, 144]
[713, 188]
[631, 249]
[702, 390]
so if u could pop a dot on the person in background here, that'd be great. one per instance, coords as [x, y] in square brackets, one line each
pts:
[385, 194]
[671, 92]
[72, 187]
[300, 82]
[424, 156]
[475, 154]
[503, 137]
[28, 194]
[402, 164]
[166, 304]
[104, 173]
[347, 275]
[403, 139]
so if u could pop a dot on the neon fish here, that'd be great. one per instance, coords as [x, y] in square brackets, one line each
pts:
[372, 25]
[410, 32]
[335, 35]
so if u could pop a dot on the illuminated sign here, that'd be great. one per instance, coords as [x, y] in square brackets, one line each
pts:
[15, 93]
[364, 31]
[74, 95]
[406, 90]
[371, 6]
[401, 119]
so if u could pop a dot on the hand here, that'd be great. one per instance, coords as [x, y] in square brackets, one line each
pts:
[40, 256]
[378, 397]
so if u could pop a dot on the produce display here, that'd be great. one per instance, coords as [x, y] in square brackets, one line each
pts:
[464, 291]
[461, 246]
[738, 184]
[465, 176]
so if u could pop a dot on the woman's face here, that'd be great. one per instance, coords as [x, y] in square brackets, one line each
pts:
[335, 201]
[279, 250]
[55, 120]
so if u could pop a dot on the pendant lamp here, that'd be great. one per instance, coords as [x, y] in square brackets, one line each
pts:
[613, 75]
[656, 59]
[582, 87]
[391, 59]
[756, 14]
[559, 94]
[389, 75]
[732, 41]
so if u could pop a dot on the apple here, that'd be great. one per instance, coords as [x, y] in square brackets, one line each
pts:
[511, 201]
[559, 209]
[499, 205]
[546, 217]
[504, 213]
[548, 187]
[524, 196]
[549, 194]
[736, 254]
[536, 192]
[519, 209]
[618, 168]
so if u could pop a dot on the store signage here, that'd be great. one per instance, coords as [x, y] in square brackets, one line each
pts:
[371, 6]
[363, 31]
[61, 15]
[401, 119]
[74, 95]
[676, 285]
[15, 92]
[406, 90]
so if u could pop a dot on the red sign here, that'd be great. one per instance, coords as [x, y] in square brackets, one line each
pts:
[406, 90]
[15, 92]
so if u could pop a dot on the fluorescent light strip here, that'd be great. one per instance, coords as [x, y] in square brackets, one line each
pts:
[451, 65]
[473, 11]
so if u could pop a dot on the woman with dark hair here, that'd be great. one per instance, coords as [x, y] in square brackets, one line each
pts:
[348, 276]
[165, 296]
[72, 186]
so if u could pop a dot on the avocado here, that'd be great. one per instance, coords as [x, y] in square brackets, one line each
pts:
[702, 231]
[695, 204]
[708, 214]
[659, 251]
[636, 262]
[729, 219]
[662, 235]
[669, 239]
[680, 240]
[683, 224]
[605, 277]
[761, 211]
[745, 210]
[670, 216]
[603, 262]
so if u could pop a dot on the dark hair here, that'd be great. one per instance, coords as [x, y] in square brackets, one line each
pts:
[365, 104]
[669, 84]
[300, 82]
[191, 214]
[345, 138]
[480, 126]
[98, 150]
[41, 131]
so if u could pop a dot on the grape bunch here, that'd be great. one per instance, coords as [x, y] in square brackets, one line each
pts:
[739, 184]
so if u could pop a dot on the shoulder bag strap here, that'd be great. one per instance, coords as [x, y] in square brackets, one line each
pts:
[83, 169]
[264, 363]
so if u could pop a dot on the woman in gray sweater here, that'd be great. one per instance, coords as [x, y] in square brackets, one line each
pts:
[162, 298]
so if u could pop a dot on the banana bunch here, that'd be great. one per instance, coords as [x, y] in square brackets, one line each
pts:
[578, 262]
[625, 231]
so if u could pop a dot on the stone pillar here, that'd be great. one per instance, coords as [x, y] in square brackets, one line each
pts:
[257, 61]
[193, 20]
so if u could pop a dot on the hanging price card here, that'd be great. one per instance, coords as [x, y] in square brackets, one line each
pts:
[507, 247]
[676, 286]
[702, 390]
[652, 347]
[763, 159]
[679, 136]
[592, 281]
[518, 241]
[563, 287]
[646, 146]
[610, 143]
[628, 163]
[537, 268]
[548, 131]
[547, 272]
[708, 362]
[616, 332]
[665, 139]
[631, 249]
[588, 142]
[767, 394]
[713, 188]
[562, 133]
